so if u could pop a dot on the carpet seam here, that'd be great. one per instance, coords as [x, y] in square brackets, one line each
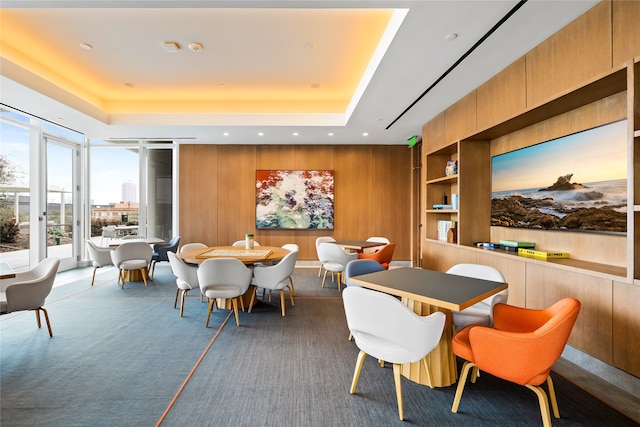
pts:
[193, 370]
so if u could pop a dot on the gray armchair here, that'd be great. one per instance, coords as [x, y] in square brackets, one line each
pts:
[28, 290]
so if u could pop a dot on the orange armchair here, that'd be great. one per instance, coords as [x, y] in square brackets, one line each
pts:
[522, 347]
[383, 255]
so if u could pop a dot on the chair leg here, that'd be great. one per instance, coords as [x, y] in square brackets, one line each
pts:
[339, 279]
[37, 311]
[427, 368]
[356, 374]
[121, 277]
[93, 278]
[46, 318]
[235, 310]
[397, 379]
[291, 297]
[544, 404]
[552, 397]
[184, 294]
[152, 267]
[253, 298]
[324, 277]
[291, 287]
[144, 272]
[466, 367]
[282, 299]
[211, 302]
[175, 301]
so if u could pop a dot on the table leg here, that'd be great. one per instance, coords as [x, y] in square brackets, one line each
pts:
[441, 359]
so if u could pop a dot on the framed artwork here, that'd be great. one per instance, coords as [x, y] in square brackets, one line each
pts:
[294, 199]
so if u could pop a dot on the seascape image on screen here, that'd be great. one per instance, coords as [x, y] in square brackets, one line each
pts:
[294, 199]
[577, 183]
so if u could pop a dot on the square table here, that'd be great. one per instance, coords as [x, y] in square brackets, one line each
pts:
[425, 291]
[6, 272]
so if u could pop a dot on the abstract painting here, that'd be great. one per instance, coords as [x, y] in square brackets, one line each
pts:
[294, 199]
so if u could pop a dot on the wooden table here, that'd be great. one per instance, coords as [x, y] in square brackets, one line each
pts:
[6, 272]
[426, 291]
[248, 257]
[356, 245]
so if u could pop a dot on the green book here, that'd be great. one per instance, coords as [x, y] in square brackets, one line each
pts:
[516, 244]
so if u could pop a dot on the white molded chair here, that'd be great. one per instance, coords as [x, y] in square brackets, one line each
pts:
[386, 329]
[132, 255]
[244, 242]
[381, 240]
[108, 232]
[291, 247]
[482, 312]
[334, 259]
[28, 290]
[275, 278]
[190, 246]
[100, 256]
[223, 278]
[319, 240]
[186, 278]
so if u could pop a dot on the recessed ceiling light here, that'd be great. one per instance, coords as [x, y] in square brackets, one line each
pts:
[365, 134]
[451, 36]
[226, 134]
[295, 134]
[86, 46]
[171, 47]
[195, 47]
[330, 134]
[260, 134]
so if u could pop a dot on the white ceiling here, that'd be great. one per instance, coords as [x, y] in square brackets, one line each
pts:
[309, 67]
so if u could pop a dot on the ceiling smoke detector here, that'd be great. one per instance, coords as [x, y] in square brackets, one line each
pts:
[195, 47]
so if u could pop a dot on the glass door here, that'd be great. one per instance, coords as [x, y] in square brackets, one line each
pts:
[61, 198]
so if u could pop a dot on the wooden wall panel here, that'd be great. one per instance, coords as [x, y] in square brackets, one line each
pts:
[573, 55]
[391, 197]
[592, 331]
[236, 193]
[626, 35]
[503, 96]
[198, 193]
[433, 135]
[355, 181]
[460, 118]
[626, 324]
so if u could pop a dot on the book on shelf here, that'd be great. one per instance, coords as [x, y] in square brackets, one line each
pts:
[517, 244]
[544, 255]
[441, 206]
[443, 228]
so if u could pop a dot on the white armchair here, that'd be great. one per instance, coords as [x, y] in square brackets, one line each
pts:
[335, 260]
[482, 312]
[275, 277]
[223, 278]
[132, 255]
[388, 330]
[186, 278]
[28, 290]
[100, 257]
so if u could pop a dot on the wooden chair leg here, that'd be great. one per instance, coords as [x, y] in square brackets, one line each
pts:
[466, 367]
[37, 311]
[552, 397]
[324, 277]
[427, 368]
[356, 374]
[398, 380]
[144, 272]
[175, 302]
[544, 404]
[184, 294]
[211, 302]
[153, 268]
[93, 278]
[282, 299]
[291, 297]
[235, 310]
[46, 318]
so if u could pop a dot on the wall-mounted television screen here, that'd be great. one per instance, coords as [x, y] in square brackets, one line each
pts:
[294, 199]
[577, 182]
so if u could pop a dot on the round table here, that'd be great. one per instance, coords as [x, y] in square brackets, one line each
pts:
[260, 254]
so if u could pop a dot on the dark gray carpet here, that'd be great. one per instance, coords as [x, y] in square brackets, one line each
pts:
[119, 357]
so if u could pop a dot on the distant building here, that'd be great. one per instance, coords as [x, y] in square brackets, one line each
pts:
[129, 193]
[115, 212]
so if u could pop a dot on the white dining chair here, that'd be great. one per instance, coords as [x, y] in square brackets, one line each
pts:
[186, 278]
[275, 278]
[130, 256]
[334, 259]
[100, 257]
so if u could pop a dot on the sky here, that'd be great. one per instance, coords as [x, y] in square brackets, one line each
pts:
[599, 154]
